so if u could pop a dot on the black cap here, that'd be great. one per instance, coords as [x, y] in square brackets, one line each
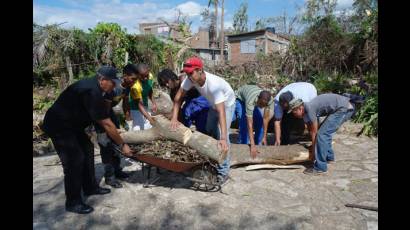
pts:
[285, 97]
[108, 72]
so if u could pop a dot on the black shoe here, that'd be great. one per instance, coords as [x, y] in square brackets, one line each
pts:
[80, 208]
[98, 191]
[121, 175]
[111, 181]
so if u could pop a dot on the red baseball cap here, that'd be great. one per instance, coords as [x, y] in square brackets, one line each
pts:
[191, 64]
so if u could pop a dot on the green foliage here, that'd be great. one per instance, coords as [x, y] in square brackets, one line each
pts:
[147, 49]
[42, 103]
[339, 84]
[330, 83]
[109, 43]
[368, 114]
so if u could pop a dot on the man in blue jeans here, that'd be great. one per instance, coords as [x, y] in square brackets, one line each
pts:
[338, 109]
[250, 100]
[221, 99]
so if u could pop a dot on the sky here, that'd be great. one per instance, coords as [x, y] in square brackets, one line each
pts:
[84, 14]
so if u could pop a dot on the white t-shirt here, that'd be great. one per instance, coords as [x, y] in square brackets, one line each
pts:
[300, 90]
[216, 90]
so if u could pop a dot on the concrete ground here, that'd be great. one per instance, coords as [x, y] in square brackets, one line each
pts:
[263, 199]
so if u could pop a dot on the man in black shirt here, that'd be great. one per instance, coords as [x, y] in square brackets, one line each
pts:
[77, 107]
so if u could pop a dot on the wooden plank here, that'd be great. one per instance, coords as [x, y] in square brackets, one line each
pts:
[272, 166]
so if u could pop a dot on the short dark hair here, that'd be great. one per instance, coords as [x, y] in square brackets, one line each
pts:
[285, 97]
[165, 75]
[265, 95]
[141, 67]
[129, 70]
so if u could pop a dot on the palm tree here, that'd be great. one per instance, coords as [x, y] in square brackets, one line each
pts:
[222, 34]
[51, 50]
[215, 3]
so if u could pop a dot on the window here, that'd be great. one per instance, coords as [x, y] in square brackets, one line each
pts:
[248, 46]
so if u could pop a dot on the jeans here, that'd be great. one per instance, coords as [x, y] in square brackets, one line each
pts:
[213, 129]
[139, 122]
[323, 147]
[195, 110]
[240, 114]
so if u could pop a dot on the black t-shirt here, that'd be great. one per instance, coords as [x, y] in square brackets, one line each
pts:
[76, 108]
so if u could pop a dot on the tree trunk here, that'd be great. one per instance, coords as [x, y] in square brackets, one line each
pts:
[222, 35]
[216, 23]
[126, 58]
[70, 70]
[207, 146]
[283, 154]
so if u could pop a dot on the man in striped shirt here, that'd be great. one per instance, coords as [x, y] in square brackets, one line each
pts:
[250, 101]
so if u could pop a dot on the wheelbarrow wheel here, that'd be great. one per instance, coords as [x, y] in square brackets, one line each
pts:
[204, 178]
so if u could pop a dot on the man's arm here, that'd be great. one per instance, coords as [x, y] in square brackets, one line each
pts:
[222, 142]
[154, 105]
[313, 127]
[126, 108]
[266, 115]
[112, 132]
[144, 112]
[277, 114]
[175, 109]
[277, 132]
[253, 149]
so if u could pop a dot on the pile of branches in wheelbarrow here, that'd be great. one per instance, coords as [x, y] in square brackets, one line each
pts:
[170, 150]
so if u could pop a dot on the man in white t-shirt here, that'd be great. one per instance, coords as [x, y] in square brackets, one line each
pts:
[283, 121]
[221, 98]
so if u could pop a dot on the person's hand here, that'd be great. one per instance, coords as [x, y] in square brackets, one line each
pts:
[277, 143]
[128, 125]
[253, 151]
[264, 141]
[223, 145]
[126, 150]
[152, 120]
[174, 124]
[154, 107]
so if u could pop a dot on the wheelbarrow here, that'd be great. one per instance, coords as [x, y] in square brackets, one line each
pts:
[201, 174]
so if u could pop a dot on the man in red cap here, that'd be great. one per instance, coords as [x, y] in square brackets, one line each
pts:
[221, 98]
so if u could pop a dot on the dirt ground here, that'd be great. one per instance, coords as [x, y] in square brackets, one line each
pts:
[263, 199]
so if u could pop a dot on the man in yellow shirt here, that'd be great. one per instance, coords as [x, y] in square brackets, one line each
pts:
[140, 92]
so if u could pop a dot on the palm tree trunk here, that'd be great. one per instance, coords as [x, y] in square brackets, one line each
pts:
[70, 70]
[216, 23]
[222, 34]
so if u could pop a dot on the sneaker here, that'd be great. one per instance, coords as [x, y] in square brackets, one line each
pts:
[221, 179]
[313, 172]
[111, 181]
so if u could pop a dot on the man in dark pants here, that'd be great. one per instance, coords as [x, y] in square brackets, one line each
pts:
[110, 158]
[77, 107]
